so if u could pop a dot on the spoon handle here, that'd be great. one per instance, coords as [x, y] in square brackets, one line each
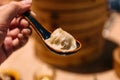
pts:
[37, 26]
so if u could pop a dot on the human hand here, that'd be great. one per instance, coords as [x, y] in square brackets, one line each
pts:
[14, 31]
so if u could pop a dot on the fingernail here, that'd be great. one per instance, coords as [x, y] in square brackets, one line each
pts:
[26, 31]
[29, 31]
[26, 2]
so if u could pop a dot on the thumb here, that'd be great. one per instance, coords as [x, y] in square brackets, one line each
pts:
[12, 9]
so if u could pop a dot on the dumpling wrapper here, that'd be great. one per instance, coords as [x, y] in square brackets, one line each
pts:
[61, 40]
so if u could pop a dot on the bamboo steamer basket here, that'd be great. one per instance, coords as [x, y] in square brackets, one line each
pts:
[58, 5]
[87, 53]
[93, 23]
[116, 58]
[82, 19]
[84, 56]
[70, 19]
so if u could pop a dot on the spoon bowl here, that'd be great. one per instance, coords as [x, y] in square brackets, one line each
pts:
[45, 34]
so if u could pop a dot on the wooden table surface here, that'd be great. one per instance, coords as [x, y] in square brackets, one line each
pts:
[26, 64]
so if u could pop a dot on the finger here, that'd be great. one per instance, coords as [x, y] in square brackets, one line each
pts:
[21, 22]
[13, 24]
[8, 45]
[23, 41]
[14, 32]
[16, 44]
[20, 36]
[24, 23]
[27, 31]
[19, 42]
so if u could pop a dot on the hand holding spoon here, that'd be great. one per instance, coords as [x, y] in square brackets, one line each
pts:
[46, 34]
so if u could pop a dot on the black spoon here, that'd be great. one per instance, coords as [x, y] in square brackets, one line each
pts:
[45, 34]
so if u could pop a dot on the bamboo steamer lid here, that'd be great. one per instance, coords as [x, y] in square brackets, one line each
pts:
[116, 58]
[84, 21]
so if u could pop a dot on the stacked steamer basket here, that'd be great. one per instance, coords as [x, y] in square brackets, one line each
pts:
[84, 19]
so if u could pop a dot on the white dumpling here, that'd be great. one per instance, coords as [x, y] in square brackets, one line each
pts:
[61, 40]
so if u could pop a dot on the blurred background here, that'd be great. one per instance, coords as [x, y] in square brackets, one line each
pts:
[95, 23]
